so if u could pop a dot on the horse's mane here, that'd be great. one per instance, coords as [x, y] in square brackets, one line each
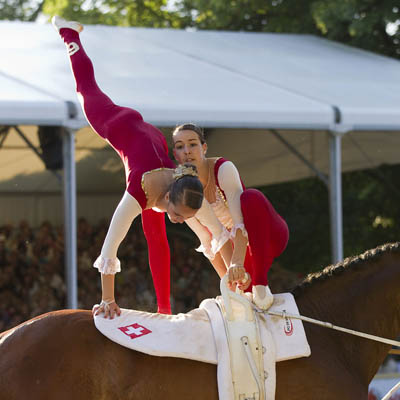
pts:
[348, 263]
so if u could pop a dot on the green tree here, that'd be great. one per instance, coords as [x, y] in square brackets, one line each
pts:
[361, 23]
[249, 15]
[367, 24]
[144, 13]
[22, 10]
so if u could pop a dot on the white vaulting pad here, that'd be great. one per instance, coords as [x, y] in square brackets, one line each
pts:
[182, 335]
[191, 336]
[288, 333]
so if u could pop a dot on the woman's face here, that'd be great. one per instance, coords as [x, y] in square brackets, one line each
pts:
[188, 148]
[179, 213]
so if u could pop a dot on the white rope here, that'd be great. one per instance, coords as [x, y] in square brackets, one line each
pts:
[338, 328]
[391, 391]
[284, 314]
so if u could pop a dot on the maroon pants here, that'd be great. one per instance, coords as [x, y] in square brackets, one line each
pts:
[267, 231]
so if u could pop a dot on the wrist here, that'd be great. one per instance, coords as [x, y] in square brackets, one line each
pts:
[107, 302]
[246, 279]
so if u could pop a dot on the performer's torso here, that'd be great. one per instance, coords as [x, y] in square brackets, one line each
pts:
[215, 196]
[142, 148]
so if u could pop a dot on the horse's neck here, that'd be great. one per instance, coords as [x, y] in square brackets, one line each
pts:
[365, 299]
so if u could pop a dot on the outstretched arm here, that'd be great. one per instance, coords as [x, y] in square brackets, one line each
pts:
[107, 263]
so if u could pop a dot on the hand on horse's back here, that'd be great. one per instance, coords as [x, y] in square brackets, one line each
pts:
[109, 310]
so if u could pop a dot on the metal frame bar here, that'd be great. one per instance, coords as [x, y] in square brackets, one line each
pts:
[334, 185]
[335, 195]
[34, 149]
[4, 133]
[70, 216]
[320, 174]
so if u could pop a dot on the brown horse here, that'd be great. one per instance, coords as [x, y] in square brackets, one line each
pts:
[61, 355]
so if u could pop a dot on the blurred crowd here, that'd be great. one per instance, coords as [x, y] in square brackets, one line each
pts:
[32, 278]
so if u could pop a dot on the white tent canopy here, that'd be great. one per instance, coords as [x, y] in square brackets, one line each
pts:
[21, 104]
[364, 87]
[226, 79]
[250, 80]
[257, 95]
[167, 86]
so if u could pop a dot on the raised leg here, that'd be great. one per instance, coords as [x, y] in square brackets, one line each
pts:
[109, 120]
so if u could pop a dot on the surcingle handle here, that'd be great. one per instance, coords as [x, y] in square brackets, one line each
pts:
[228, 294]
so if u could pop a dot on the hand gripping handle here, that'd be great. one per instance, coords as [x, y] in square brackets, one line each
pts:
[227, 295]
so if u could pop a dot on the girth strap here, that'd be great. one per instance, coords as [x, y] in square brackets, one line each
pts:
[245, 345]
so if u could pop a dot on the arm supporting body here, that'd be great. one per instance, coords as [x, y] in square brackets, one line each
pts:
[229, 180]
[107, 263]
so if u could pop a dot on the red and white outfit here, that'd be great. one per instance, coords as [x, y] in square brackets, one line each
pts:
[248, 210]
[142, 149]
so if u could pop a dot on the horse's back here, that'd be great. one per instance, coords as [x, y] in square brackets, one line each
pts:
[39, 357]
[62, 355]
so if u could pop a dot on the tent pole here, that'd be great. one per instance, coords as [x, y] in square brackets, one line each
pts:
[70, 245]
[335, 195]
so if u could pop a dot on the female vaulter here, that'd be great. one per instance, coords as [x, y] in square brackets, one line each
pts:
[153, 185]
[258, 233]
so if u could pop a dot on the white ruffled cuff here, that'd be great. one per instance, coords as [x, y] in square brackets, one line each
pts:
[210, 250]
[107, 266]
[235, 228]
[206, 250]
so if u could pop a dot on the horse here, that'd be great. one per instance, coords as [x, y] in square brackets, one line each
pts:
[60, 355]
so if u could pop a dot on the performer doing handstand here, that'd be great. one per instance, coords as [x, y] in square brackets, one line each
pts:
[151, 178]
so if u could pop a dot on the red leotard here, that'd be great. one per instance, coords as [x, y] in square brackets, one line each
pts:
[267, 240]
[142, 148]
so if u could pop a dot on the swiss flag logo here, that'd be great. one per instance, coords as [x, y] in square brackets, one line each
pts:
[134, 330]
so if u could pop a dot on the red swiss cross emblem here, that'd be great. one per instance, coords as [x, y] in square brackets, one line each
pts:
[134, 330]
